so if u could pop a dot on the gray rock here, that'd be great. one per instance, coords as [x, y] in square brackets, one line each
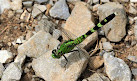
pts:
[41, 1]
[46, 25]
[135, 30]
[4, 4]
[37, 45]
[51, 69]
[107, 46]
[115, 30]
[5, 56]
[28, 3]
[38, 9]
[60, 10]
[56, 33]
[79, 22]
[97, 77]
[1, 69]
[42, 8]
[132, 58]
[12, 73]
[116, 69]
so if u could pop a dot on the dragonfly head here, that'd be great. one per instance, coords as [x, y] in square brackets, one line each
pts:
[55, 54]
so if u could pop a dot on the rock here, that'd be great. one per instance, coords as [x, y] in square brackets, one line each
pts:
[60, 10]
[132, 58]
[73, 1]
[5, 56]
[97, 77]
[135, 30]
[25, 16]
[19, 11]
[107, 46]
[42, 8]
[134, 72]
[28, 3]
[4, 4]
[116, 69]
[16, 4]
[41, 1]
[134, 1]
[55, 68]
[115, 30]
[132, 9]
[56, 33]
[105, 1]
[38, 9]
[95, 62]
[12, 73]
[46, 25]
[37, 45]
[79, 25]
[96, 1]
[1, 69]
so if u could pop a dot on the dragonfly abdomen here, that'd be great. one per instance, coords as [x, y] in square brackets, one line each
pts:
[92, 30]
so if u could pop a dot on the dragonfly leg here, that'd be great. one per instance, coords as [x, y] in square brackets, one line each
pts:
[66, 60]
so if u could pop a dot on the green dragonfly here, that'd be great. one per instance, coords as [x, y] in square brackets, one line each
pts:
[69, 45]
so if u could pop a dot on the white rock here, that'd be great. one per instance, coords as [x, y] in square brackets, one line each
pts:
[16, 4]
[1, 69]
[51, 69]
[20, 40]
[60, 10]
[5, 56]
[107, 46]
[116, 69]
[37, 45]
[12, 73]
[4, 4]
[115, 30]
[133, 0]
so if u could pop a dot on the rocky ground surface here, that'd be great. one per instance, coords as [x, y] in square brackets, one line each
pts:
[31, 29]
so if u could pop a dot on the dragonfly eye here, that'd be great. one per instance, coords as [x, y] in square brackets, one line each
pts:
[54, 54]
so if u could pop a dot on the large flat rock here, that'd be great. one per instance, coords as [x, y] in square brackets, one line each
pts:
[51, 69]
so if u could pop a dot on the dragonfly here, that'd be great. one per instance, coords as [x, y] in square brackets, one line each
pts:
[69, 45]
